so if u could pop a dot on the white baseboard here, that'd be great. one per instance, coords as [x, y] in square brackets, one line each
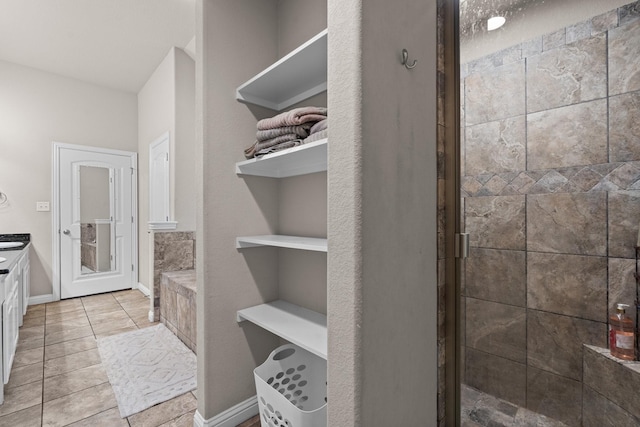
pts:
[142, 288]
[41, 299]
[231, 417]
[151, 316]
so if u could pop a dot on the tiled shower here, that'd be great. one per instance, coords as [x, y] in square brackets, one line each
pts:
[551, 196]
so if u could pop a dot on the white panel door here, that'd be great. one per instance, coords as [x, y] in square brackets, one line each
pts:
[96, 220]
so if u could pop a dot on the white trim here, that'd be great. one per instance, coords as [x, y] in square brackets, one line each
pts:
[231, 417]
[41, 299]
[162, 225]
[55, 209]
[151, 316]
[142, 288]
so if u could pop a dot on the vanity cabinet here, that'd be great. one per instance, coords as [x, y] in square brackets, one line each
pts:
[14, 297]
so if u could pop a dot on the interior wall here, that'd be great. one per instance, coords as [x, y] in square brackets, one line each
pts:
[167, 103]
[231, 279]
[382, 214]
[38, 108]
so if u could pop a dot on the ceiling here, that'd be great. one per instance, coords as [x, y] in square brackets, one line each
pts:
[112, 43]
[474, 13]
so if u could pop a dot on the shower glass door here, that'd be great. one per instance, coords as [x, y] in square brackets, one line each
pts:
[550, 196]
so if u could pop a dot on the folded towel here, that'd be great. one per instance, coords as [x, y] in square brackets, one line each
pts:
[316, 136]
[279, 147]
[302, 131]
[261, 145]
[321, 125]
[294, 117]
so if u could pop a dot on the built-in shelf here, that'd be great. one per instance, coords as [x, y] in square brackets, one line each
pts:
[296, 324]
[294, 78]
[300, 160]
[291, 242]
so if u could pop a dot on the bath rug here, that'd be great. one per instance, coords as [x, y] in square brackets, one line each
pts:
[146, 367]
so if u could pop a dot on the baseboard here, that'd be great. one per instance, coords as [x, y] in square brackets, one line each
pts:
[41, 299]
[231, 417]
[142, 288]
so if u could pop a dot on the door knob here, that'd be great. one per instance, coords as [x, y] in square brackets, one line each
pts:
[67, 232]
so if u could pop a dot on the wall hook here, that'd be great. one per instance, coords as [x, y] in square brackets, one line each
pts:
[405, 60]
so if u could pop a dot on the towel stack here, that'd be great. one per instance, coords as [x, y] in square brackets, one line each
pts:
[288, 129]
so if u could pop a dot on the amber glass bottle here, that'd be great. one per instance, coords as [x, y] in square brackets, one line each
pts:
[621, 334]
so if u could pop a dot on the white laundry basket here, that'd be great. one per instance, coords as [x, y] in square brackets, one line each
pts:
[292, 388]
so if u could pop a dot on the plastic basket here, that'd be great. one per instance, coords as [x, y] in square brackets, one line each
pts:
[292, 388]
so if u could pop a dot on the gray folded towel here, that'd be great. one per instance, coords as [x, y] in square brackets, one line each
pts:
[321, 125]
[316, 136]
[279, 147]
[294, 117]
[302, 131]
[261, 145]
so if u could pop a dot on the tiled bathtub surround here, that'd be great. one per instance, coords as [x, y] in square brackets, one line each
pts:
[172, 251]
[178, 305]
[551, 187]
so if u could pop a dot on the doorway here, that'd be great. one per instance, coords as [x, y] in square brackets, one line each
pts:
[94, 220]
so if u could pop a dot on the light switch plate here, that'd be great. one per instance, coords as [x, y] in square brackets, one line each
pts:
[42, 206]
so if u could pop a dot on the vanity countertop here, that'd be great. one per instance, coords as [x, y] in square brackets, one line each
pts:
[12, 254]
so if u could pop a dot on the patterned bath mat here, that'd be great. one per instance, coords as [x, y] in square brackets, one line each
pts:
[146, 367]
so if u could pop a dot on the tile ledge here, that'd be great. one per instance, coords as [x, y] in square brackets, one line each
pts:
[633, 365]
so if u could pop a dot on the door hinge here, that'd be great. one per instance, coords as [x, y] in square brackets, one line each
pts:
[131, 171]
[462, 245]
[132, 269]
[131, 220]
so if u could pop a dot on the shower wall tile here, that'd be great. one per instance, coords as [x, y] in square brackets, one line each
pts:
[485, 94]
[624, 43]
[579, 31]
[624, 220]
[498, 146]
[532, 47]
[497, 329]
[502, 57]
[554, 342]
[497, 275]
[496, 222]
[604, 22]
[624, 127]
[629, 13]
[554, 396]
[488, 373]
[572, 285]
[622, 284]
[556, 138]
[611, 378]
[570, 223]
[598, 411]
[573, 73]
[554, 40]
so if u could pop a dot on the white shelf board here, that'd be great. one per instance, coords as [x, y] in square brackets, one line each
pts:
[296, 324]
[280, 241]
[294, 78]
[300, 160]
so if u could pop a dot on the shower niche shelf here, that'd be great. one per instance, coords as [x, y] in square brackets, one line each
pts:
[279, 241]
[300, 160]
[299, 75]
[296, 324]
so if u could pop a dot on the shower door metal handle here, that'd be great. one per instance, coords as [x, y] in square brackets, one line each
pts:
[462, 245]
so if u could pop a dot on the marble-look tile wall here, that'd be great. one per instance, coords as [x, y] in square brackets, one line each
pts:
[172, 251]
[178, 305]
[551, 187]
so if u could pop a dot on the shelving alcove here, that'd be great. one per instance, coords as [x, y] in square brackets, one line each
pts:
[294, 78]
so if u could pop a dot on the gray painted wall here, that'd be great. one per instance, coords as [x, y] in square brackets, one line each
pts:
[381, 198]
[382, 214]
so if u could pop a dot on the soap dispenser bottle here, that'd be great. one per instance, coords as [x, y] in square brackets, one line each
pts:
[621, 334]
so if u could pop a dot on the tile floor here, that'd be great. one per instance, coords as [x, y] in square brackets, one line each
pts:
[483, 410]
[57, 378]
